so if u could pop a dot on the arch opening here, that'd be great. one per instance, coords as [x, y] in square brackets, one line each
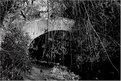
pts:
[53, 46]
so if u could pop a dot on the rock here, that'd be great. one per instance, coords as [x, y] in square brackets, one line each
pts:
[54, 73]
[34, 28]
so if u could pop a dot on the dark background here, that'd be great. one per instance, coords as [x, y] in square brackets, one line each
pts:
[103, 16]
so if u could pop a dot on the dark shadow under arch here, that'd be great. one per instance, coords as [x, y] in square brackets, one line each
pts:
[53, 46]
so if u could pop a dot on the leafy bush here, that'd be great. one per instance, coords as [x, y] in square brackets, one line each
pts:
[14, 53]
[96, 34]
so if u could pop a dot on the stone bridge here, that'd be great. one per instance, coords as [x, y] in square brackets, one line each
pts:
[34, 28]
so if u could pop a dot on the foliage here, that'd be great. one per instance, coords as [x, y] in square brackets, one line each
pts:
[13, 53]
[96, 33]
[97, 24]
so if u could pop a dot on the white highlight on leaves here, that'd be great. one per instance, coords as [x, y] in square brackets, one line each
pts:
[2, 34]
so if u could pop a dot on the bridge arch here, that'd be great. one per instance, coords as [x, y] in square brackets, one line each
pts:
[53, 46]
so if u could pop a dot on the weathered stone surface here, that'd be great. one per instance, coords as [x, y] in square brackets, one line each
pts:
[37, 27]
[57, 72]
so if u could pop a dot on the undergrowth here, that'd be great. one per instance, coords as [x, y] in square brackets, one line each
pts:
[96, 33]
[98, 23]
